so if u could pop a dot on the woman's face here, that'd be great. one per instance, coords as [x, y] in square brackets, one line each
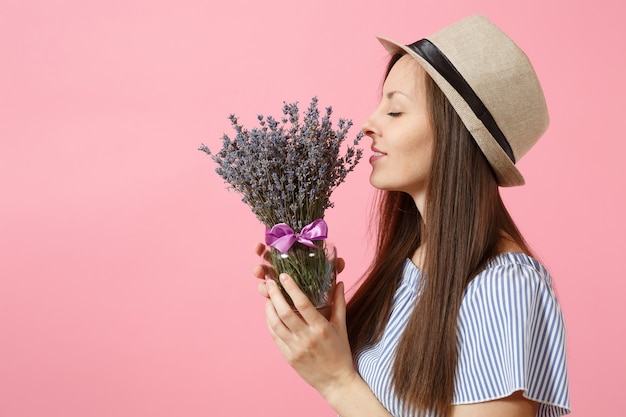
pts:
[401, 133]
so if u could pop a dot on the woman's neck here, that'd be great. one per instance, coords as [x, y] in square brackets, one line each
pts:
[419, 256]
[507, 244]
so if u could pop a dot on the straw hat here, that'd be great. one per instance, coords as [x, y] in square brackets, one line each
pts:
[492, 86]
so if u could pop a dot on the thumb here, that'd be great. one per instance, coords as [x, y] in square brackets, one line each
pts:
[338, 316]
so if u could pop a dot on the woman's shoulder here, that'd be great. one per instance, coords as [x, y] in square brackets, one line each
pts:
[511, 335]
[511, 281]
[516, 266]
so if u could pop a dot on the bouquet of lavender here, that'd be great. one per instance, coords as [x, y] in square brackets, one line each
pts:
[286, 171]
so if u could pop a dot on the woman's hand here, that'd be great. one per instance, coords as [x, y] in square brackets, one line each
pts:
[317, 349]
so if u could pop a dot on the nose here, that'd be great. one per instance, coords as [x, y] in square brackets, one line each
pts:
[368, 126]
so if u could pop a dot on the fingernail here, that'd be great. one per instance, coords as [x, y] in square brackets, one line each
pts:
[283, 278]
[270, 283]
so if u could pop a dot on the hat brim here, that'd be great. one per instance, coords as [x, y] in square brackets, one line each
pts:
[506, 172]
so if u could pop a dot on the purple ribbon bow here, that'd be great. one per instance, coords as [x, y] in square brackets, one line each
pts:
[282, 237]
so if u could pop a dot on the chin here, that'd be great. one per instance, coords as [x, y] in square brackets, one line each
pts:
[377, 184]
[382, 186]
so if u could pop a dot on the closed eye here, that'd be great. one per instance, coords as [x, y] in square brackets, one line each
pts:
[394, 114]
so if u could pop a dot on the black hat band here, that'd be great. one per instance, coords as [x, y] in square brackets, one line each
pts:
[440, 62]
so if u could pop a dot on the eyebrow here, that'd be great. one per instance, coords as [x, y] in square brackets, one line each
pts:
[394, 92]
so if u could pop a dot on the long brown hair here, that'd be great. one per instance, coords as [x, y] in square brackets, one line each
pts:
[466, 221]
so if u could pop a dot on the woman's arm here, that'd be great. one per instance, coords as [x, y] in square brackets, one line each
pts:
[515, 405]
[318, 349]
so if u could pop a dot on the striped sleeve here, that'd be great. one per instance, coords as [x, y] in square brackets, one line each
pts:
[511, 337]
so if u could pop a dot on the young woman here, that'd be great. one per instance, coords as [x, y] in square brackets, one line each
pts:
[454, 317]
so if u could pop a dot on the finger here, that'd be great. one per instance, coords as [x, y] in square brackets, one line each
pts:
[258, 271]
[262, 289]
[300, 301]
[340, 264]
[261, 250]
[284, 311]
[263, 271]
[338, 315]
[276, 326]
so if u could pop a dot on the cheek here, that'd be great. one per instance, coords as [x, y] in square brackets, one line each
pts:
[421, 144]
[420, 155]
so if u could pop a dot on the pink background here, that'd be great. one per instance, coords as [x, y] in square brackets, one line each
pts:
[125, 284]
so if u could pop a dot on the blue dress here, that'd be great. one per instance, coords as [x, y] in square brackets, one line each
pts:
[510, 337]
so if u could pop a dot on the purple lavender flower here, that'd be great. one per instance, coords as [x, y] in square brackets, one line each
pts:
[287, 168]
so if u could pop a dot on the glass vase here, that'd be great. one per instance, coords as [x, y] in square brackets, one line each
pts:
[313, 269]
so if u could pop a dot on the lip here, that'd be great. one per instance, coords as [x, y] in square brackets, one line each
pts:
[377, 155]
